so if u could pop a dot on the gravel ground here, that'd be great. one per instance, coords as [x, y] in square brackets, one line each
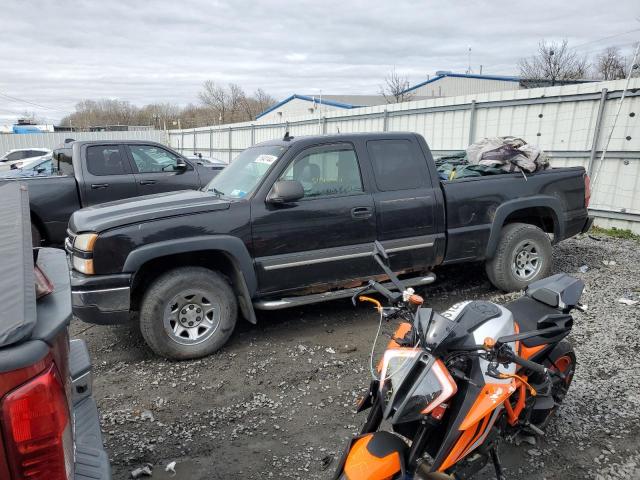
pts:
[278, 401]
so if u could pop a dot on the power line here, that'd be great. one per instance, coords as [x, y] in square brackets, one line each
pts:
[605, 38]
[22, 100]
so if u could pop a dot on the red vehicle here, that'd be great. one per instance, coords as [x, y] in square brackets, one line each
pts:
[49, 426]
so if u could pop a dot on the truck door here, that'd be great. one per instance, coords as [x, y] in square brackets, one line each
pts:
[406, 203]
[107, 174]
[324, 238]
[156, 170]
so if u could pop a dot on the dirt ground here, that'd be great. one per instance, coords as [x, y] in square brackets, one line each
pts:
[278, 400]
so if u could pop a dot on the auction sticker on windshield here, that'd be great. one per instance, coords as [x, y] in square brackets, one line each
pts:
[267, 159]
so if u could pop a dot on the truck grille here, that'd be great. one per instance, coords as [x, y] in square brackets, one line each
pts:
[68, 242]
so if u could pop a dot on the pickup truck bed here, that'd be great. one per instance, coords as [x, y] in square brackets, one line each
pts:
[293, 221]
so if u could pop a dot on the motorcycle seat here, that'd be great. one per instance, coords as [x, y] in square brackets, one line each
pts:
[527, 312]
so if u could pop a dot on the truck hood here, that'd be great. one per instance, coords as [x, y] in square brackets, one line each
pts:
[140, 209]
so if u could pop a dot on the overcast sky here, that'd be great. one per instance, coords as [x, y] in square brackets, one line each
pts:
[55, 53]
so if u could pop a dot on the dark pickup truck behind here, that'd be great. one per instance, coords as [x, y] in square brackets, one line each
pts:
[293, 221]
[87, 173]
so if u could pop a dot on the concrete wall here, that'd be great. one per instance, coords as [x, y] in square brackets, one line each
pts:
[561, 120]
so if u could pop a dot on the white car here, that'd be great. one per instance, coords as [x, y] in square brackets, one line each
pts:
[18, 158]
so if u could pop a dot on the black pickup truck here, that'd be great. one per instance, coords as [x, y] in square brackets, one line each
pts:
[293, 221]
[90, 172]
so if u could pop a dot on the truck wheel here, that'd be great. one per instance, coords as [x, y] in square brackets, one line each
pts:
[523, 255]
[188, 313]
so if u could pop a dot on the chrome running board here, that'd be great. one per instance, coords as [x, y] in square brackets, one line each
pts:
[289, 302]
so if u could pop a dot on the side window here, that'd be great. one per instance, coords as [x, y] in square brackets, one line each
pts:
[152, 159]
[13, 156]
[329, 172]
[397, 165]
[105, 160]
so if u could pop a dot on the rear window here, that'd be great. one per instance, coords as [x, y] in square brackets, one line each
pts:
[397, 165]
[105, 160]
[62, 161]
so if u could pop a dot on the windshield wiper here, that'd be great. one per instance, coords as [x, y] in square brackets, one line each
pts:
[216, 191]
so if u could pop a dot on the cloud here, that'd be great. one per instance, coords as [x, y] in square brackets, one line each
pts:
[56, 53]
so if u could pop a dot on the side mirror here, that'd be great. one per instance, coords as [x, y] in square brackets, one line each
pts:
[181, 164]
[285, 191]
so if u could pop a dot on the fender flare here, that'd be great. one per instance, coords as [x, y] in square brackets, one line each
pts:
[512, 206]
[244, 274]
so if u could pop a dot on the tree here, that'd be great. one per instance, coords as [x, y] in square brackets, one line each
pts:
[395, 88]
[216, 98]
[554, 62]
[611, 64]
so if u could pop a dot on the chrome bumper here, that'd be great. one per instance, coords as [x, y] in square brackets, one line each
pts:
[105, 300]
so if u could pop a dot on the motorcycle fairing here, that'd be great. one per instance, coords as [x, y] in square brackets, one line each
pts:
[374, 456]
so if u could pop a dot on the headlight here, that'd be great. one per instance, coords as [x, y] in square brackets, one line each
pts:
[413, 383]
[85, 241]
[83, 252]
[83, 265]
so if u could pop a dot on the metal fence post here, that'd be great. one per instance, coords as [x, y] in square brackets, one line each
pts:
[230, 149]
[211, 142]
[324, 125]
[385, 121]
[253, 134]
[596, 130]
[182, 142]
[195, 141]
[472, 122]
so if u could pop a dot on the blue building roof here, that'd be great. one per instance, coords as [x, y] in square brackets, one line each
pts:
[441, 75]
[306, 98]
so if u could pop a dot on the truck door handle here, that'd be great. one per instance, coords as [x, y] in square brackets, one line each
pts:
[148, 182]
[97, 186]
[361, 212]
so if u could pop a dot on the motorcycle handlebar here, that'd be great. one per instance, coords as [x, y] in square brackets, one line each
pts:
[536, 367]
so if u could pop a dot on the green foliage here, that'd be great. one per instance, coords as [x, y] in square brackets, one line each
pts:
[616, 233]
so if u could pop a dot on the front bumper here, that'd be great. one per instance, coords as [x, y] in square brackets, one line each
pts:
[101, 299]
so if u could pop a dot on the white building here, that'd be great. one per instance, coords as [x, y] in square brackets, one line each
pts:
[297, 105]
[449, 84]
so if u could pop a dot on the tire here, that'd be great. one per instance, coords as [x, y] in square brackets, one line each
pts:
[562, 358]
[36, 238]
[523, 255]
[187, 313]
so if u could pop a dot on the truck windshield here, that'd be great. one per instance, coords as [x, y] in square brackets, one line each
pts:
[243, 175]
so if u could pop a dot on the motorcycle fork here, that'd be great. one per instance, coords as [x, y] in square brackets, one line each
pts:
[417, 446]
[374, 418]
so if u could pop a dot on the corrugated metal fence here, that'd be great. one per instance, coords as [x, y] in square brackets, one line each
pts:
[571, 122]
[54, 139]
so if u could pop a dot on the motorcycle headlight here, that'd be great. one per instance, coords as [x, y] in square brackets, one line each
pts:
[413, 383]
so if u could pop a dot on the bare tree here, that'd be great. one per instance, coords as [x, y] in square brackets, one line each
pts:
[611, 64]
[216, 98]
[554, 62]
[395, 88]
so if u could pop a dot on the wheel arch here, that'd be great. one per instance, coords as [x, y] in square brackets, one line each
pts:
[542, 211]
[226, 254]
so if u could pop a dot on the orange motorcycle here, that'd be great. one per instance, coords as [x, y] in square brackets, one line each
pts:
[451, 386]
